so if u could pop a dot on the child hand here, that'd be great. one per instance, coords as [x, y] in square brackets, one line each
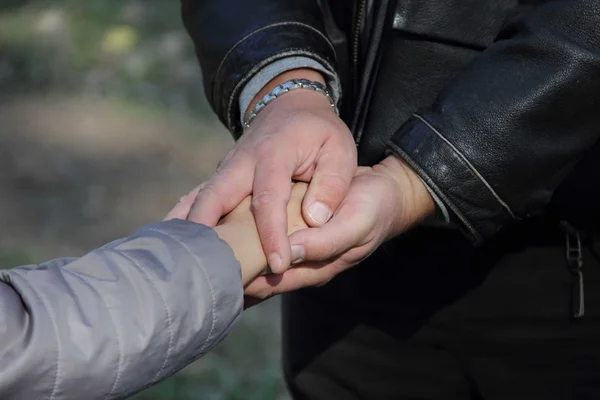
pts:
[239, 230]
[242, 214]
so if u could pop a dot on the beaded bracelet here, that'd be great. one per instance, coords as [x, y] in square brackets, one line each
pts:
[286, 87]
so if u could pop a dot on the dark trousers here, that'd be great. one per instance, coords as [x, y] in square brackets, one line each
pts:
[429, 317]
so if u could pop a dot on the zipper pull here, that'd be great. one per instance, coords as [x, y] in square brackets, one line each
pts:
[574, 258]
[577, 294]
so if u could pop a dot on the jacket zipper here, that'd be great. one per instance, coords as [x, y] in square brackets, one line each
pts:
[360, 16]
[574, 257]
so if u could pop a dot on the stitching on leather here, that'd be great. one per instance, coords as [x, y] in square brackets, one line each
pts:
[471, 166]
[166, 307]
[478, 238]
[276, 24]
[289, 52]
[210, 288]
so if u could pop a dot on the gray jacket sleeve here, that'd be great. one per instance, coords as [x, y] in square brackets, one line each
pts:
[119, 319]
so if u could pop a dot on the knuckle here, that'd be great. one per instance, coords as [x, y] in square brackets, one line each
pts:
[236, 154]
[225, 160]
[269, 238]
[266, 148]
[352, 154]
[271, 196]
[331, 250]
[339, 130]
[333, 183]
[209, 187]
[267, 169]
[326, 250]
[243, 152]
[345, 146]
[263, 199]
[209, 190]
[343, 157]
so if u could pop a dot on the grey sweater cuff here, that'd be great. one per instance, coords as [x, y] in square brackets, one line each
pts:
[269, 72]
[442, 212]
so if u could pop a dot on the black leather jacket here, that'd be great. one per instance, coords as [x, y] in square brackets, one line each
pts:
[493, 102]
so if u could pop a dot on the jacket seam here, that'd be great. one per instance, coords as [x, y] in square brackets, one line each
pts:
[273, 25]
[168, 314]
[118, 337]
[210, 288]
[468, 163]
[58, 353]
[478, 238]
[289, 52]
[119, 343]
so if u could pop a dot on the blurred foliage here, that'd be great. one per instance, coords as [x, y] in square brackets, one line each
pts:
[135, 54]
[136, 49]
[16, 257]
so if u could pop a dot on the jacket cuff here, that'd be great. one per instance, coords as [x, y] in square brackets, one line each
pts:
[209, 263]
[268, 73]
[442, 213]
[474, 203]
[241, 64]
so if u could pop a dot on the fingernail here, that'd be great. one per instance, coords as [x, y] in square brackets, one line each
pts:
[298, 254]
[274, 262]
[319, 213]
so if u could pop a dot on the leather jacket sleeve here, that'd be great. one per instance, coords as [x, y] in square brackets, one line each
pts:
[234, 39]
[506, 132]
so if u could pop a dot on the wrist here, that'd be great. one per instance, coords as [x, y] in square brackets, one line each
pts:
[301, 73]
[416, 201]
[245, 243]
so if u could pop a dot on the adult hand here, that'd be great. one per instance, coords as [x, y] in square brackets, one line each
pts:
[181, 210]
[296, 137]
[383, 201]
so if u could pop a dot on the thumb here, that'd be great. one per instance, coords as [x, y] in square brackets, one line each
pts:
[328, 186]
[325, 242]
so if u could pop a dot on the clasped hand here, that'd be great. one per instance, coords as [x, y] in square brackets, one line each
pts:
[350, 211]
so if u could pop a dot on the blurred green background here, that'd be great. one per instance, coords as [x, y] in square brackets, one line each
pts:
[103, 126]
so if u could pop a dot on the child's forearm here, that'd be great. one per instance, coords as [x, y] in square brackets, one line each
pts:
[245, 242]
[239, 231]
[121, 302]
